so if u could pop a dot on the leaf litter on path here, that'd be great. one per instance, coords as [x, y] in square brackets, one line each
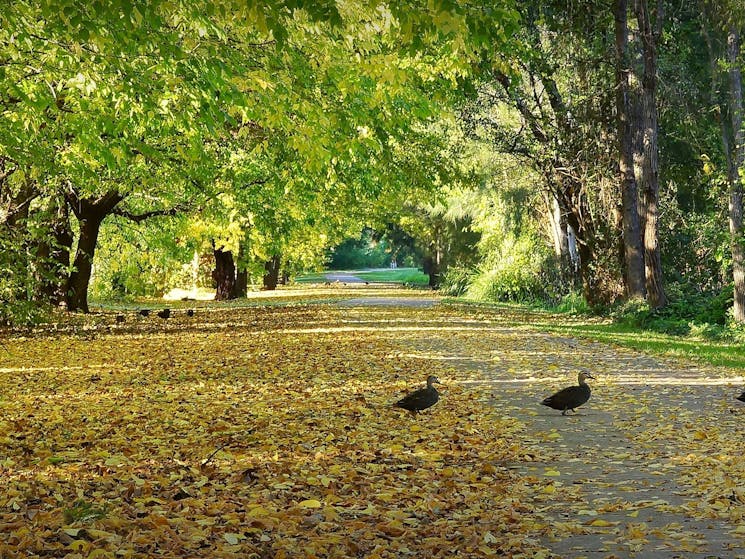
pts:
[268, 432]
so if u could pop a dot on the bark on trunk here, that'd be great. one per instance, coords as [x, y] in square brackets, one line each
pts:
[271, 277]
[735, 179]
[632, 237]
[241, 275]
[90, 214]
[649, 176]
[241, 283]
[54, 255]
[224, 275]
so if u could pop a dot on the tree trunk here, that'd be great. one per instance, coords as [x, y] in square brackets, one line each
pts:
[241, 275]
[632, 238]
[735, 178]
[241, 283]
[648, 158]
[90, 215]
[271, 277]
[224, 275]
[54, 254]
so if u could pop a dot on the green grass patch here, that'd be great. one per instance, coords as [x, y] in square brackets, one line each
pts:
[716, 352]
[412, 276]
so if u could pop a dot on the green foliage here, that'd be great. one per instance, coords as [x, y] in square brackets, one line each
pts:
[689, 312]
[571, 303]
[456, 280]
[513, 275]
[18, 305]
[83, 511]
[365, 252]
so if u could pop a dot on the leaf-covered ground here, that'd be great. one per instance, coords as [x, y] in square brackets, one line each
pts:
[268, 432]
[263, 432]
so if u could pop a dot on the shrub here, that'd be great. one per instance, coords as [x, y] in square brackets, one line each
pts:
[455, 280]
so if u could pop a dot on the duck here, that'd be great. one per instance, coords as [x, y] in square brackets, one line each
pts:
[421, 399]
[570, 397]
[741, 397]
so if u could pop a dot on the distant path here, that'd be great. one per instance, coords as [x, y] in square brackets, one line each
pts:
[341, 277]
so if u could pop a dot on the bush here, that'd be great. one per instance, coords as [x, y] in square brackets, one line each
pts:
[455, 280]
[689, 311]
[18, 304]
[526, 271]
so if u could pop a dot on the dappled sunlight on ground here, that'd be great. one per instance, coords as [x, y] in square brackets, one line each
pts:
[269, 430]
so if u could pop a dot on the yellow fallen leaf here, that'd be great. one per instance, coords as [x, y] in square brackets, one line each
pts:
[99, 553]
[310, 504]
[599, 522]
[588, 512]
[552, 473]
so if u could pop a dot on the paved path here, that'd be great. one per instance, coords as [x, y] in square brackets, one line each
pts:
[412, 301]
[621, 478]
[342, 277]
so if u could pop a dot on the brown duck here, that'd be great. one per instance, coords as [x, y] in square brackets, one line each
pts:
[421, 399]
[570, 397]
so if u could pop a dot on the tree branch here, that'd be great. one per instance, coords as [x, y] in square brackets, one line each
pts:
[139, 218]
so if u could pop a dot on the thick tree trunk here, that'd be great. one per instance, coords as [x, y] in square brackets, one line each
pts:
[224, 275]
[648, 158]
[241, 275]
[633, 254]
[241, 283]
[54, 254]
[90, 215]
[735, 178]
[271, 277]
[77, 284]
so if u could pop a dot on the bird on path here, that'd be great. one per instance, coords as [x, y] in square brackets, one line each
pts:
[570, 397]
[190, 312]
[741, 397]
[145, 312]
[421, 399]
[165, 313]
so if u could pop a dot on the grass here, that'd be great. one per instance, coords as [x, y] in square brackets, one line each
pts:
[719, 353]
[381, 275]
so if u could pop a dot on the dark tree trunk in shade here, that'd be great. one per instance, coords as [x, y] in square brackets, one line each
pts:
[54, 254]
[90, 214]
[735, 170]
[241, 274]
[241, 283]
[224, 275]
[633, 253]
[271, 275]
[648, 179]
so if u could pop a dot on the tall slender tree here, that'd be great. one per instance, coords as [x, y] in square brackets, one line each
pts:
[650, 29]
[736, 167]
[632, 237]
